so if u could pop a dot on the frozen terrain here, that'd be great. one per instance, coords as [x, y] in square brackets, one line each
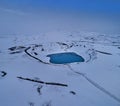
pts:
[27, 78]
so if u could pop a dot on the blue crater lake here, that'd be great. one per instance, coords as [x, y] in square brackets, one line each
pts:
[64, 58]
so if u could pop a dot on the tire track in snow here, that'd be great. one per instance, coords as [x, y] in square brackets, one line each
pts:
[95, 84]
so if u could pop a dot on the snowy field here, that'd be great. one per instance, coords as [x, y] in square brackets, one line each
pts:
[27, 78]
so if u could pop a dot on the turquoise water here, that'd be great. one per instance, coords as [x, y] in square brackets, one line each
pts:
[64, 58]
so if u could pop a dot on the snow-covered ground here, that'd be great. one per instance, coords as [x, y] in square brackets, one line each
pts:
[23, 63]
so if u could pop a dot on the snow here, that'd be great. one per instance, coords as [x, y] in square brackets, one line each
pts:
[101, 68]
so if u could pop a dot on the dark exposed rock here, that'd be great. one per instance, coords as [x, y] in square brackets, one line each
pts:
[31, 104]
[38, 45]
[35, 53]
[12, 48]
[15, 52]
[16, 48]
[3, 73]
[39, 89]
[72, 92]
[42, 82]
[42, 49]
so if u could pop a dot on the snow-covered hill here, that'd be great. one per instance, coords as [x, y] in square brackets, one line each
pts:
[27, 78]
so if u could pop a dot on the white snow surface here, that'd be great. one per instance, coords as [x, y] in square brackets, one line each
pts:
[95, 82]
